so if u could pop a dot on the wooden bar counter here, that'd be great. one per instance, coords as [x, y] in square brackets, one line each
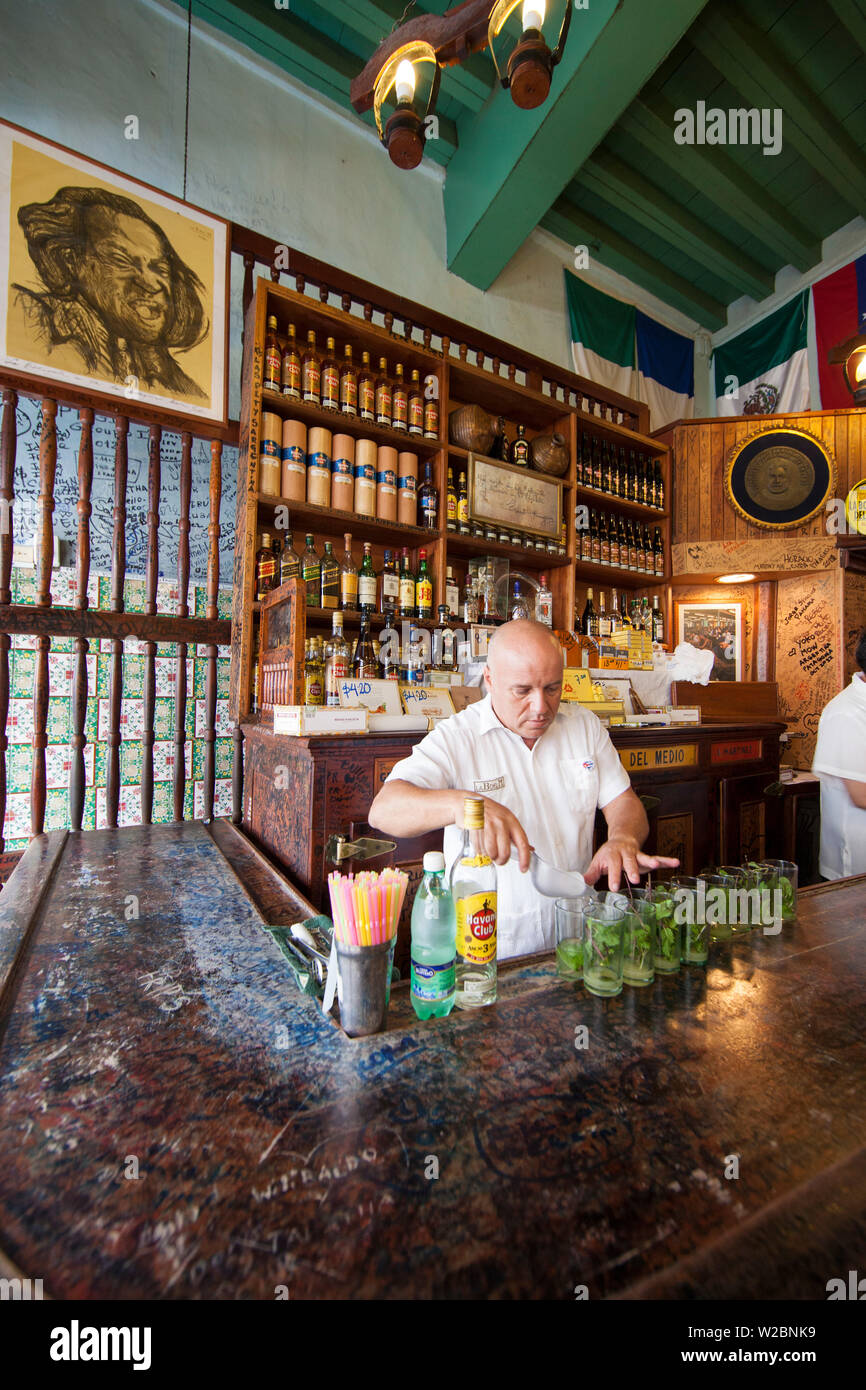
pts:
[177, 1121]
[705, 787]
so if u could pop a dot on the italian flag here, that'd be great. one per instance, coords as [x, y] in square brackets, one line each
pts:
[602, 336]
[765, 370]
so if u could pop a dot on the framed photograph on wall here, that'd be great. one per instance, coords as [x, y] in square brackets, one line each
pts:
[109, 285]
[715, 627]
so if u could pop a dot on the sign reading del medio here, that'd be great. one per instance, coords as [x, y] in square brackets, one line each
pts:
[665, 755]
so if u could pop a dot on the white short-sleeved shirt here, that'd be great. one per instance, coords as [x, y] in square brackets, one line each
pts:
[553, 789]
[840, 756]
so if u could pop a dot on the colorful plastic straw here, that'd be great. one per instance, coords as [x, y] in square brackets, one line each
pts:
[366, 907]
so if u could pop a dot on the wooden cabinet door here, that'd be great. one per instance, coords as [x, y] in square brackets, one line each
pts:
[749, 820]
[681, 823]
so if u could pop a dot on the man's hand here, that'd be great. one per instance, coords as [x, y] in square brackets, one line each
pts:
[502, 829]
[622, 854]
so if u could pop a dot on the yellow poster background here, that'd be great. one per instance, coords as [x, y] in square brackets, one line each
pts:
[36, 177]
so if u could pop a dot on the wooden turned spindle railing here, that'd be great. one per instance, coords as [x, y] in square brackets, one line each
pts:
[476, 347]
[8, 449]
[44, 561]
[118, 572]
[213, 574]
[81, 646]
[151, 577]
[180, 692]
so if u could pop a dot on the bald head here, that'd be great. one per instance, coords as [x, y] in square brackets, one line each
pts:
[524, 677]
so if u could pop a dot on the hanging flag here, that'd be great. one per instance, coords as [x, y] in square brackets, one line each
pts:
[765, 370]
[840, 313]
[602, 336]
[666, 372]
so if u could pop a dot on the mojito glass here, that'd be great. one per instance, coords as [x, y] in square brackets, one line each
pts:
[717, 905]
[669, 932]
[604, 932]
[569, 916]
[782, 878]
[689, 913]
[739, 903]
[640, 945]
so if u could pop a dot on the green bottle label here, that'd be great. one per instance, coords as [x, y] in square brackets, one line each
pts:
[434, 983]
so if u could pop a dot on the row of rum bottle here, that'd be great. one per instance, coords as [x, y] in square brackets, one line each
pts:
[347, 387]
[338, 583]
[328, 660]
[622, 543]
[602, 623]
[637, 479]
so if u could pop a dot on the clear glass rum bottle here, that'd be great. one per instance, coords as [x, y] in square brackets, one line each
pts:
[473, 888]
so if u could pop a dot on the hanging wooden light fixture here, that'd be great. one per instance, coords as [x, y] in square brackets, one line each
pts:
[405, 131]
[446, 40]
[530, 66]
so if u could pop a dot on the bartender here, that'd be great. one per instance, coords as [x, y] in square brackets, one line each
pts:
[541, 773]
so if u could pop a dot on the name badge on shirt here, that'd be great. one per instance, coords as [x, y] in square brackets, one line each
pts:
[492, 784]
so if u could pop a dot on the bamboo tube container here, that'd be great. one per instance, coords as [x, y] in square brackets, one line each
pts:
[386, 483]
[343, 472]
[365, 477]
[407, 489]
[319, 445]
[294, 461]
[269, 454]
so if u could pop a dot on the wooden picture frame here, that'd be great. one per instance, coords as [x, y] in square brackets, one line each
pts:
[516, 498]
[708, 626]
[109, 285]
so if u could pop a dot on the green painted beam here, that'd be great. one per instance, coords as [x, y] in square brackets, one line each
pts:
[852, 13]
[577, 227]
[470, 83]
[650, 121]
[754, 66]
[626, 189]
[512, 164]
[298, 50]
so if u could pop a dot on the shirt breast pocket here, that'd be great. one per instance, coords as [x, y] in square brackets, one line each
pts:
[581, 786]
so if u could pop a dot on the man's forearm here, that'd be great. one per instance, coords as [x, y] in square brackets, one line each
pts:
[626, 819]
[405, 810]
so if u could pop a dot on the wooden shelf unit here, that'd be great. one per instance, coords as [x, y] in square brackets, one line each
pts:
[458, 382]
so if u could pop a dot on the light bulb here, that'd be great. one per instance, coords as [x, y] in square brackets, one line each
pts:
[860, 368]
[533, 14]
[405, 80]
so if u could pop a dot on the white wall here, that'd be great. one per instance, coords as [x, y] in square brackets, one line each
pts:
[263, 151]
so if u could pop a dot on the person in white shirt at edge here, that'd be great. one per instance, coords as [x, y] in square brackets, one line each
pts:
[840, 763]
[540, 772]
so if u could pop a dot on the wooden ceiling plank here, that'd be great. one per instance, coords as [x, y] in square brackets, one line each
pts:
[852, 14]
[625, 188]
[512, 164]
[650, 121]
[755, 67]
[577, 227]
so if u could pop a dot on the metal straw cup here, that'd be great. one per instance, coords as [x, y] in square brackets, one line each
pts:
[364, 987]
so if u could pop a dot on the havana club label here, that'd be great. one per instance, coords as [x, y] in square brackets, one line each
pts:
[476, 928]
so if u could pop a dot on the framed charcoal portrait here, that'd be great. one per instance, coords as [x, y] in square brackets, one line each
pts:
[779, 477]
[715, 627]
[109, 285]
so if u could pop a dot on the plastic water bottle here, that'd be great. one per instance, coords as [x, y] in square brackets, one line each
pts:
[434, 931]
